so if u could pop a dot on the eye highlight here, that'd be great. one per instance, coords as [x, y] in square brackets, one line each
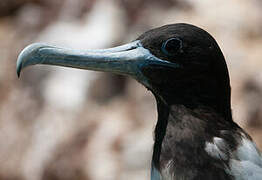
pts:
[171, 46]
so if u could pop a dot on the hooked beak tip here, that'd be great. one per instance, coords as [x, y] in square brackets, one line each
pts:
[26, 55]
[18, 70]
[19, 63]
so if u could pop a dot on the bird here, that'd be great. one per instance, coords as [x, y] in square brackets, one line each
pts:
[195, 137]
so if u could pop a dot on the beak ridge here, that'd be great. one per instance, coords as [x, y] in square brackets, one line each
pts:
[25, 58]
[127, 59]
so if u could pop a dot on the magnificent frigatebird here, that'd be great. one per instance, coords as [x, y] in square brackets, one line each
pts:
[183, 66]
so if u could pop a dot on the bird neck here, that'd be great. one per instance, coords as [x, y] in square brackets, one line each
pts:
[160, 130]
[180, 137]
[190, 97]
[198, 92]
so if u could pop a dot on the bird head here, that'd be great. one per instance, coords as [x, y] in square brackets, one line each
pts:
[179, 63]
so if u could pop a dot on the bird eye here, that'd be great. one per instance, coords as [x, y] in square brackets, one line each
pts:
[172, 46]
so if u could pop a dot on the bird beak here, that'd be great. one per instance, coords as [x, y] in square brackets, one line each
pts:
[127, 59]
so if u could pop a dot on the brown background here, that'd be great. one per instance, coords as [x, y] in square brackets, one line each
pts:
[66, 124]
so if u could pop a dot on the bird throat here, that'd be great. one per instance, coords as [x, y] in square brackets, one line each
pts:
[197, 92]
[184, 115]
[180, 137]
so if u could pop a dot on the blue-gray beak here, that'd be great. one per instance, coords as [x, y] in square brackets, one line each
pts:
[127, 59]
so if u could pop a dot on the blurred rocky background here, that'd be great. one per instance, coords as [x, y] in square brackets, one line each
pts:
[66, 124]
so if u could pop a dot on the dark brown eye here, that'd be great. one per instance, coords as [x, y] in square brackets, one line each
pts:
[172, 46]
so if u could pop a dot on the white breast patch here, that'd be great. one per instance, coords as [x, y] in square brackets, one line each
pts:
[245, 163]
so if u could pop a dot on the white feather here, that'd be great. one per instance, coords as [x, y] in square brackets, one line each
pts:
[213, 149]
[245, 170]
[245, 163]
[249, 152]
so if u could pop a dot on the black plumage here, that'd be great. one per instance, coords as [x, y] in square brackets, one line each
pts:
[196, 101]
[183, 66]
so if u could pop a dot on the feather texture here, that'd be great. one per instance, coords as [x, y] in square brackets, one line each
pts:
[245, 162]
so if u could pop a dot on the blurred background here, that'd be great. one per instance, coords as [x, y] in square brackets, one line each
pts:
[68, 124]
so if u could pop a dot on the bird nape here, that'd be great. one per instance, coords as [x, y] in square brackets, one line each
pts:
[183, 66]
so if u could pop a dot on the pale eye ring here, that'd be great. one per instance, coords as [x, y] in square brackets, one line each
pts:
[172, 46]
